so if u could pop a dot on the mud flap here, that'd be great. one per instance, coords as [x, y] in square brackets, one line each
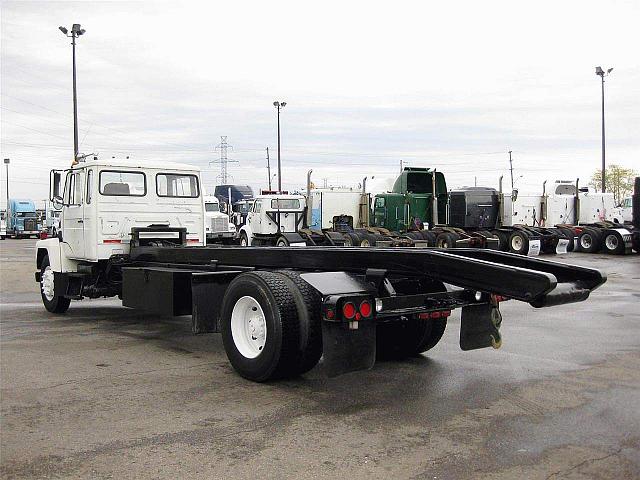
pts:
[345, 350]
[534, 248]
[480, 327]
[562, 245]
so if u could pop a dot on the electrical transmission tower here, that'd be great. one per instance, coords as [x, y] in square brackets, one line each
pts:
[223, 146]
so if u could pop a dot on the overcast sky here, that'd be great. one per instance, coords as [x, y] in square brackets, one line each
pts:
[450, 85]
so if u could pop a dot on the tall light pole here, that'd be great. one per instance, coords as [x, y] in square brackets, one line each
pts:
[6, 164]
[278, 106]
[601, 73]
[76, 31]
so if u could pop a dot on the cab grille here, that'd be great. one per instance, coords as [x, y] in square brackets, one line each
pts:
[219, 225]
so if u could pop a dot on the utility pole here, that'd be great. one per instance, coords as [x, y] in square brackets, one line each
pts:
[278, 106]
[400, 166]
[268, 169]
[601, 73]
[511, 169]
[223, 146]
[76, 31]
[6, 164]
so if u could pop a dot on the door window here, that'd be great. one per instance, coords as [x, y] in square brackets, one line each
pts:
[379, 202]
[257, 207]
[89, 187]
[73, 189]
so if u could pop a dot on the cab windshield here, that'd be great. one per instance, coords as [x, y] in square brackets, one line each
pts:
[285, 203]
[212, 207]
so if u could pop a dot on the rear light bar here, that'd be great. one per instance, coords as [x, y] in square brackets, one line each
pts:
[499, 298]
[349, 309]
[434, 315]
[112, 240]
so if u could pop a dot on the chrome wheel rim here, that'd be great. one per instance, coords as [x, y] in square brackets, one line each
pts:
[611, 242]
[585, 241]
[47, 284]
[517, 242]
[248, 327]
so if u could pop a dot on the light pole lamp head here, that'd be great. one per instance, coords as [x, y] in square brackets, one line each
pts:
[609, 71]
[599, 71]
[7, 161]
[283, 104]
[63, 30]
[276, 104]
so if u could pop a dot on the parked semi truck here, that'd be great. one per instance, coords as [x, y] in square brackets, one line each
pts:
[218, 227]
[136, 232]
[279, 219]
[22, 220]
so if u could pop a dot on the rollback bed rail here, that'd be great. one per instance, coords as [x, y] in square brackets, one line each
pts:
[540, 283]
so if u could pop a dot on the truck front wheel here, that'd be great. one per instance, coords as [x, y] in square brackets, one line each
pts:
[244, 240]
[52, 302]
[262, 327]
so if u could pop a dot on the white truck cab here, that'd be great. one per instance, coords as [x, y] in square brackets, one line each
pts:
[274, 220]
[217, 225]
[102, 200]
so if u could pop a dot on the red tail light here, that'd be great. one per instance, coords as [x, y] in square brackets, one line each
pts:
[349, 310]
[366, 309]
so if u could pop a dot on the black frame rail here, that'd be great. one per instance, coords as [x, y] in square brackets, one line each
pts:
[541, 283]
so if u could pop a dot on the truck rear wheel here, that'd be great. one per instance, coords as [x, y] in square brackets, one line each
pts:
[446, 240]
[52, 302]
[613, 243]
[519, 243]
[368, 239]
[282, 242]
[308, 302]
[589, 240]
[401, 339]
[503, 240]
[261, 327]
[351, 239]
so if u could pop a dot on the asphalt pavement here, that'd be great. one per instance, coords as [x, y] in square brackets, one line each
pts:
[105, 392]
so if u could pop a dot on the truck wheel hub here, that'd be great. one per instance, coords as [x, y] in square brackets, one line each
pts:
[585, 241]
[47, 283]
[612, 242]
[516, 243]
[248, 327]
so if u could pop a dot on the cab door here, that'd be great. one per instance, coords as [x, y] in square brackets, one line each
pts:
[73, 215]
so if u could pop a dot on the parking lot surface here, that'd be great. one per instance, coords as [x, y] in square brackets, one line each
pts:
[104, 392]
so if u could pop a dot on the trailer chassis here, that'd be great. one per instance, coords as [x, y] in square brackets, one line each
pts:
[345, 304]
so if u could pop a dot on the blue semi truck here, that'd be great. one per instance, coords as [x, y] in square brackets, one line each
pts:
[22, 220]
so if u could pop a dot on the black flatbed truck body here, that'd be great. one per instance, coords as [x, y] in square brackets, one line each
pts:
[530, 280]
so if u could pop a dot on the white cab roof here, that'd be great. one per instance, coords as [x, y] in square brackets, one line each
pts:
[142, 164]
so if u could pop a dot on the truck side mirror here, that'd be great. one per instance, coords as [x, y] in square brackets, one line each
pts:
[54, 187]
[57, 201]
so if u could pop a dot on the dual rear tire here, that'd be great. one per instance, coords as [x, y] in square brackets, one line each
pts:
[271, 325]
